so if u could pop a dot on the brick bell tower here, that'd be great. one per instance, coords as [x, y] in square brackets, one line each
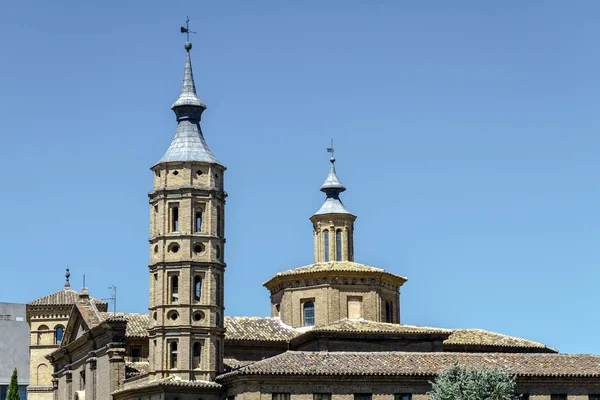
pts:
[187, 249]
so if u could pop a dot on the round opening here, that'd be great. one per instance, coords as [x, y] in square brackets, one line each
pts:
[174, 248]
[199, 316]
[173, 315]
[156, 248]
[199, 172]
[175, 172]
[198, 248]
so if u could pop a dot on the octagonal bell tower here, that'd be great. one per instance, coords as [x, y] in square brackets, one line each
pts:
[187, 249]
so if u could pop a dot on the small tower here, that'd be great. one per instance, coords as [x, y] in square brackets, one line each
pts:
[333, 224]
[187, 249]
[335, 287]
[48, 317]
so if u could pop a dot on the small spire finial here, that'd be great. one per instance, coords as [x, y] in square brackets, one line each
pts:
[331, 150]
[67, 276]
[186, 29]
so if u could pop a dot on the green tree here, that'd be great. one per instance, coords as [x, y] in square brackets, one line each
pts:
[13, 388]
[459, 383]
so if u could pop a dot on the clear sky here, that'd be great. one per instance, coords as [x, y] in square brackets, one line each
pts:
[466, 133]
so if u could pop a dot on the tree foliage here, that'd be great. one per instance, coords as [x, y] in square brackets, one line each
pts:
[459, 383]
[13, 387]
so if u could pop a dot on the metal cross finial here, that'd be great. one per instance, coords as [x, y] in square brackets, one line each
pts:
[331, 150]
[186, 29]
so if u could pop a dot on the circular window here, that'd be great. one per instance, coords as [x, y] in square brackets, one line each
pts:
[199, 172]
[173, 315]
[198, 316]
[175, 173]
[198, 248]
[174, 248]
[156, 248]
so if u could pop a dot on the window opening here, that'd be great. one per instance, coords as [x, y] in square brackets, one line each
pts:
[174, 289]
[58, 334]
[309, 313]
[174, 219]
[326, 244]
[173, 354]
[196, 351]
[198, 220]
[218, 289]
[338, 245]
[321, 396]
[197, 287]
[219, 221]
[402, 396]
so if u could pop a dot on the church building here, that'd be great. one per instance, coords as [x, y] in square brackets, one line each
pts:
[335, 330]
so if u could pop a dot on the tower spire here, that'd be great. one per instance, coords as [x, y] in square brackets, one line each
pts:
[333, 224]
[189, 143]
[332, 187]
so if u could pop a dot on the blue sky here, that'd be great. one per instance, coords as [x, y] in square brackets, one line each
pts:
[466, 133]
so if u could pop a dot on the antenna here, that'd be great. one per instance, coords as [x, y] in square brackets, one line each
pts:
[83, 280]
[113, 297]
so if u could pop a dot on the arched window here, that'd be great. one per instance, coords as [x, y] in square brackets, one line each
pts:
[196, 351]
[198, 220]
[218, 251]
[173, 354]
[338, 245]
[309, 313]
[197, 287]
[174, 289]
[58, 334]
[326, 244]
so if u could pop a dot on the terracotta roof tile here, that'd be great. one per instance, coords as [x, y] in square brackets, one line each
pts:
[335, 266]
[137, 324]
[64, 297]
[258, 329]
[479, 337]
[417, 363]
[362, 325]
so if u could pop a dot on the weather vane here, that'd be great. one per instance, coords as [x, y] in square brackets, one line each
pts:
[330, 149]
[186, 29]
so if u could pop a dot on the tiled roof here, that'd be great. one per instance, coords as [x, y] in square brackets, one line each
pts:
[136, 368]
[479, 337]
[64, 297]
[232, 363]
[362, 325]
[335, 266]
[170, 382]
[258, 329]
[420, 363]
[137, 324]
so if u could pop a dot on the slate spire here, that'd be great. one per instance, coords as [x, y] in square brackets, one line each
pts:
[332, 188]
[188, 143]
